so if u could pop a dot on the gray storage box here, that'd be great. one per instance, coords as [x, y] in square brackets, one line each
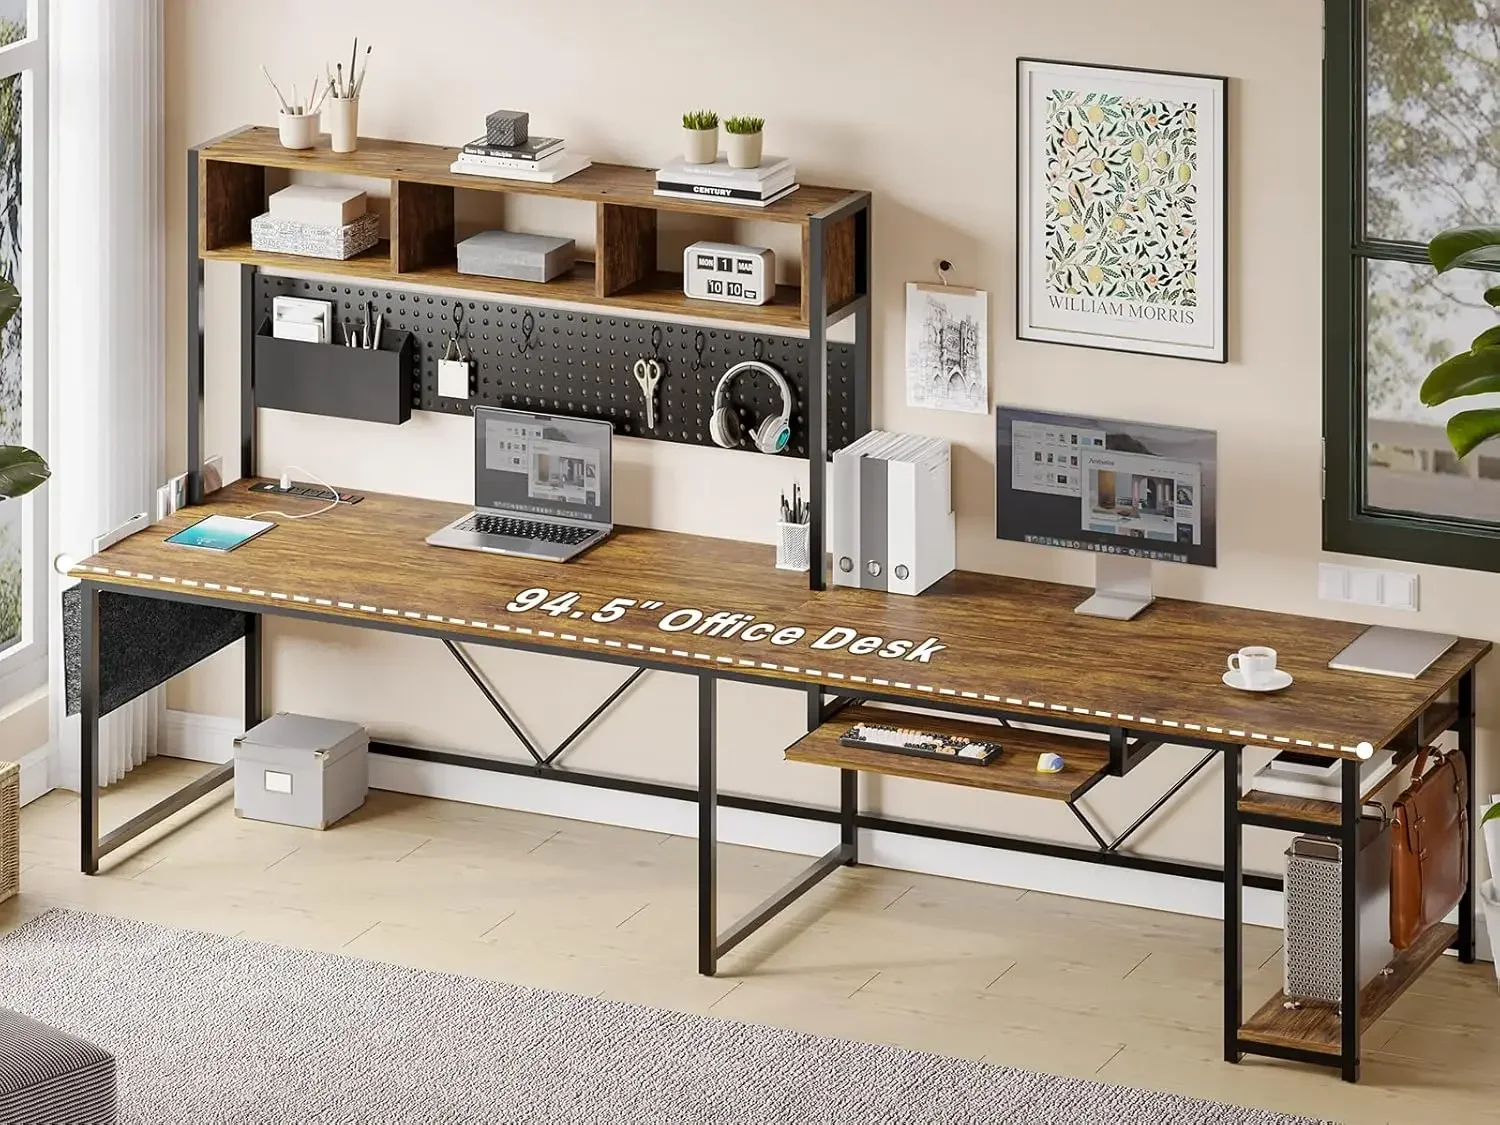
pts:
[311, 240]
[298, 770]
[507, 127]
[522, 257]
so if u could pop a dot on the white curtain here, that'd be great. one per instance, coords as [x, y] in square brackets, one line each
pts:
[108, 292]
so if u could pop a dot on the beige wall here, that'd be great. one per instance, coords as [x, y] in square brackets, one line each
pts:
[915, 101]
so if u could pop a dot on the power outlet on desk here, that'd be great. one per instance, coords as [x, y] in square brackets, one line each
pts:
[1359, 585]
[304, 491]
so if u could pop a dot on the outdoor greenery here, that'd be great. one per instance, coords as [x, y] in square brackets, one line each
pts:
[1433, 164]
[11, 599]
[744, 126]
[1476, 371]
[700, 119]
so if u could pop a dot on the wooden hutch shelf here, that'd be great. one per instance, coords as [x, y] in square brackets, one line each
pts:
[1315, 1026]
[232, 189]
[1014, 771]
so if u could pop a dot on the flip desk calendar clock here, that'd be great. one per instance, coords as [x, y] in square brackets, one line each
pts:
[721, 271]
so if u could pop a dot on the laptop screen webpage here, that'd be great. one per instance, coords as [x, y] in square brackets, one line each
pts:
[542, 464]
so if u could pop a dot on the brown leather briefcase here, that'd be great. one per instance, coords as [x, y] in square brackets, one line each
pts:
[1429, 847]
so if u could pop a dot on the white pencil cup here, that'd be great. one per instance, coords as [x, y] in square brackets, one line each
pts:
[791, 546]
[343, 123]
[297, 130]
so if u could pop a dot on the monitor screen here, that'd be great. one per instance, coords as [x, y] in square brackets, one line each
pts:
[542, 464]
[1100, 484]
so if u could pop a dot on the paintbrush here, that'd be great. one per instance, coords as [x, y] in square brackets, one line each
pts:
[360, 83]
[285, 108]
[338, 91]
[353, 55]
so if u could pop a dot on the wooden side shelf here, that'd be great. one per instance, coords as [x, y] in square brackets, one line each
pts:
[1315, 1027]
[1013, 772]
[232, 185]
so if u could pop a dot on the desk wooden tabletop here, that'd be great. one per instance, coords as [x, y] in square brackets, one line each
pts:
[975, 639]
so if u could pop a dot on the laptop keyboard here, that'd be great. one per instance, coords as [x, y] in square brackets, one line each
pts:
[527, 529]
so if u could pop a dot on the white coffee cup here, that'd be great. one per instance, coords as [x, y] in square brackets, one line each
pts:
[1255, 664]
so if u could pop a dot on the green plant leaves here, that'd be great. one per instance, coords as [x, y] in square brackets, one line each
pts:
[21, 470]
[1492, 296]
[1473, 247]
[1493, 813]
[10, 301]
[1468, 373]
[1469, 428]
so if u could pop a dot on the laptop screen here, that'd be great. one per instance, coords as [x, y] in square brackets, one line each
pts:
[543, 464]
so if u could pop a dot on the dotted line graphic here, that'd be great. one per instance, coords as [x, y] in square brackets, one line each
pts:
[1363, 750]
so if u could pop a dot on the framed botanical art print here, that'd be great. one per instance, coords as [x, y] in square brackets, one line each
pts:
[1121, 209]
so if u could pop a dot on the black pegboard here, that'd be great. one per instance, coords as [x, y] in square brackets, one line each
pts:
[562, 361]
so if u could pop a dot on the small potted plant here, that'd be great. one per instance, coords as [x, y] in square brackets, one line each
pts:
[700, 136]
[744, 140]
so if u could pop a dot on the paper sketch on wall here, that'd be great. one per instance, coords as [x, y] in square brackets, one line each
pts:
[947, 348]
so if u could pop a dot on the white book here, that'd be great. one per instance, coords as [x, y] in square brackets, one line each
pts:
[730, 200]
[543, 164]
[680, 169]
[1313, 788]
[568, 166]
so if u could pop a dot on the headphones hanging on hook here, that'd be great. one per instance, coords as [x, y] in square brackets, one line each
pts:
[770, 434]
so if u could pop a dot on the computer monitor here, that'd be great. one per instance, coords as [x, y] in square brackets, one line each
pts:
[1132, 492]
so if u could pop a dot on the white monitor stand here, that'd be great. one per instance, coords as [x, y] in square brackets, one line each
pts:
[1122, 587]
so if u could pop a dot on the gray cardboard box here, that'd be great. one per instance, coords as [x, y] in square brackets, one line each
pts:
[299, 770]
[522, 257]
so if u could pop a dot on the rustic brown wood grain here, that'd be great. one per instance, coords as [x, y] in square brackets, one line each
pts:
[602, 183]
[1315, 1026]
[421, 226]
[624, 247]
[1014, 771]
[838, 263]
[1012, 645]
[229, 196]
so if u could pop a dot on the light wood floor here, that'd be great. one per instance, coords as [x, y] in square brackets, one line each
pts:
[1105, 992]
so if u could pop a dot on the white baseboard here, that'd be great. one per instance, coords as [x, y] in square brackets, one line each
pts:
[36, 774]
[210, 738]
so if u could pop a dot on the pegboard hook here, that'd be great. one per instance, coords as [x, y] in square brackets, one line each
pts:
[700, 342]
[656, 341]
[528, 325]
[758, 350]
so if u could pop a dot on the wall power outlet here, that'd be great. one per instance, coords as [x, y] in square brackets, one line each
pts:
[1359, 585]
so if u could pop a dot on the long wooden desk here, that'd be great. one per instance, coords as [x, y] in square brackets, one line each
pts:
[974, 644]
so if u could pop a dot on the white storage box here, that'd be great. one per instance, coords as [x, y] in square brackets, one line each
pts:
[298, 770]
[313, 240]
[320, 206]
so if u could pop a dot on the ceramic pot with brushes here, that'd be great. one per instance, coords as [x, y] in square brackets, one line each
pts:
[343, 101]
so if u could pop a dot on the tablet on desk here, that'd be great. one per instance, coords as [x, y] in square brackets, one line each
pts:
[220, 533]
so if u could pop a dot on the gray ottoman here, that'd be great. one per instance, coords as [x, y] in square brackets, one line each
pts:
[48, 1077]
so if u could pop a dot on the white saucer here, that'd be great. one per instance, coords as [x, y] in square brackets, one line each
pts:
[1278, 680]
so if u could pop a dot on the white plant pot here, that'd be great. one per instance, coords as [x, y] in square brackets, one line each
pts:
[744, 149]
[1489, 901]
[700, 146]
[343, 123]
[297, 130]
[1492, 846]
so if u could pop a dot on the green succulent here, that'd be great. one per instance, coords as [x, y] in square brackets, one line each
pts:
[744, 126]
[700, 119]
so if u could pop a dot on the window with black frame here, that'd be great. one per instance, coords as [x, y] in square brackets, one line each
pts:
[1412, 138]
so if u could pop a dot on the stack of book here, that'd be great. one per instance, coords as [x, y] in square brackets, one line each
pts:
[775, 179]
[541, 160]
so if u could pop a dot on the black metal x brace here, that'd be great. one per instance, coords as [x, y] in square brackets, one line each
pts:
[1114, 845]
[543, 760]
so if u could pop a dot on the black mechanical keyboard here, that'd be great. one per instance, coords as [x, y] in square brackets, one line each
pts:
[527, 529]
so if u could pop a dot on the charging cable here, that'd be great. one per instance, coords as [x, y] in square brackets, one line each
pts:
[285, 484]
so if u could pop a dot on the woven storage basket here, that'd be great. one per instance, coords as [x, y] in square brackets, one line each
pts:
[10, 830]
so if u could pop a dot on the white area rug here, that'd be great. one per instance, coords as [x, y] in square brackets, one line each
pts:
[216, 1029]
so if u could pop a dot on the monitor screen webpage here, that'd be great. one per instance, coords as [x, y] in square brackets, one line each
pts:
[1105, 485]
[541, 463]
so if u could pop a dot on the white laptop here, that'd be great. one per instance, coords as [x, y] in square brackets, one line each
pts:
[541, 486]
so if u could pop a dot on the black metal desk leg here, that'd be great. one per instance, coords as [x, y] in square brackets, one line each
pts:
[708, 808]
[88, 732]
[1349, 909]
[849, 814]
[1465, 942]
[254, 698]
[1234, 878]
